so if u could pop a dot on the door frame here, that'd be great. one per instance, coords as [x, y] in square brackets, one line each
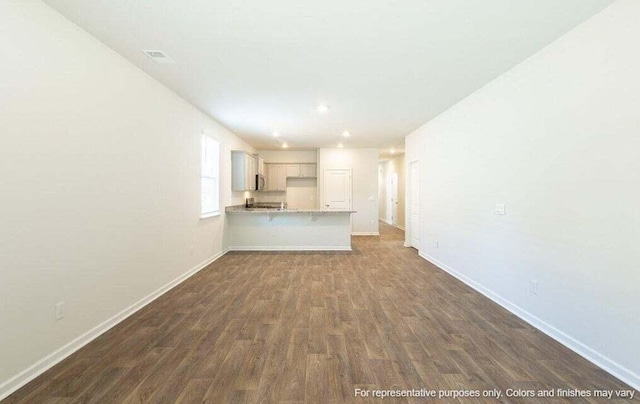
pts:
[408, 201]
[391, 202]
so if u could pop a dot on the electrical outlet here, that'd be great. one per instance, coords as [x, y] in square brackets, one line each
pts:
[60, 310]
[499, 209]
[533, 287]
[437, 243]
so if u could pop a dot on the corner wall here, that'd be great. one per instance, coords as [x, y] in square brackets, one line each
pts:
[556, 140]
[100, 188]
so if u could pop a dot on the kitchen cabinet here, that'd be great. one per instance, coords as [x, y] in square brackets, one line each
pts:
[308, 170]
[301, 170]
[244, 167]
[277, 174]
[261, 168]
[293, 170]
[276, 177]
[272, 177]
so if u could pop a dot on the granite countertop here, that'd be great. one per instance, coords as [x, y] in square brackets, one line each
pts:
[269, 209]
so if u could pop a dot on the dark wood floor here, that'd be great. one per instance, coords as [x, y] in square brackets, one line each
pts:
[312, 327]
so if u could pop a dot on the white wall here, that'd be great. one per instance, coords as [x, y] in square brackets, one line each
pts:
[100, 185]
[364, 170]
[302, 193]
[557, 140]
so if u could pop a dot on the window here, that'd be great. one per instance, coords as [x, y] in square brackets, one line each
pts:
[210, 197]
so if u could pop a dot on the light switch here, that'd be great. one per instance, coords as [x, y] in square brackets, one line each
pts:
[499, 209]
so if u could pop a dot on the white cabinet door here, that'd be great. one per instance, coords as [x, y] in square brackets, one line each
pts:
[308, 170]
[276, 177]
[337, 189]
[293, 170]
[282, 177]
[250, 166]
[272, 177]
[261, 169]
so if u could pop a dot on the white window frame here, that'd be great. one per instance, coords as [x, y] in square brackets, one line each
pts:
[210, 149]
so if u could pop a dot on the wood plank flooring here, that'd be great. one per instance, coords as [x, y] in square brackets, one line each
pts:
[310, 328]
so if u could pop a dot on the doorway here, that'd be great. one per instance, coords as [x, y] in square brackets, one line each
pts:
[413, 239]
[392, 199]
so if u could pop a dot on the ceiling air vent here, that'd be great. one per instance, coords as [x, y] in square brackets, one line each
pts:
[158, 56]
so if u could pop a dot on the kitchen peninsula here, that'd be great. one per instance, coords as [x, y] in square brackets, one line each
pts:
[271, 228]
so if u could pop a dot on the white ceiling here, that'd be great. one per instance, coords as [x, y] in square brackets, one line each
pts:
[385, 67]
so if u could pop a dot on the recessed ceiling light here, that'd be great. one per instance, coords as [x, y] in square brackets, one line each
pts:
[322, 108]
[285, 145]
[340, 145]
[275, 134]
[392, 151]
[346, 133]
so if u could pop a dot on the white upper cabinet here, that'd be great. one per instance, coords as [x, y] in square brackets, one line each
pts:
[282, 177]
[308, 170]
[293, 170]
[271, 177]
[243, 171]
[277, 174]
[276, 177]
[261, 168]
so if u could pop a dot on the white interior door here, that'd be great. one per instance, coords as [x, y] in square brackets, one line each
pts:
[337, 189]
[392, 199]
[414, 203]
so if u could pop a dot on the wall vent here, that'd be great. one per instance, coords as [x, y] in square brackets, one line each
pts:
[158, 56]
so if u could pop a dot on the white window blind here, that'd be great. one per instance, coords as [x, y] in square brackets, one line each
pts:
[210, 197]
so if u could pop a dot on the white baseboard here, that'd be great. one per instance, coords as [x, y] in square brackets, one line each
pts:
[365, 233]
[290, 248]
[398, 226]
[617, 370]
[46, 363]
